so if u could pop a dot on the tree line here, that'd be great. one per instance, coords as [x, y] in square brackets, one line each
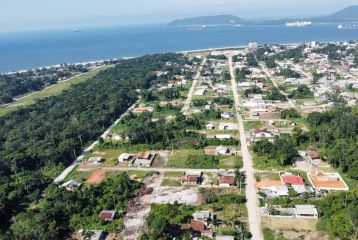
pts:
[38, 141]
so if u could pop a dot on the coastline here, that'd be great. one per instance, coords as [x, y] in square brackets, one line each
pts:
[130, 57]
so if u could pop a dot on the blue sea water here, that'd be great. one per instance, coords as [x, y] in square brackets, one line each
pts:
[20, 51]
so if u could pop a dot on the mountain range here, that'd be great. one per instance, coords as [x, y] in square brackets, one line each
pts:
[349, 14]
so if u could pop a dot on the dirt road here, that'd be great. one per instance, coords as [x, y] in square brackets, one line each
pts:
[252, 202]
[186, 106]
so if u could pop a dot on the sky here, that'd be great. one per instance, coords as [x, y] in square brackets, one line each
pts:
[28, 15]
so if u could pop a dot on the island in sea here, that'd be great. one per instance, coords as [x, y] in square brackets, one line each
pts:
[349, 14]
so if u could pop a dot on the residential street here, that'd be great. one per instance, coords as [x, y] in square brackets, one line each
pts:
[252, 204]
[186, 106]
[79, 159]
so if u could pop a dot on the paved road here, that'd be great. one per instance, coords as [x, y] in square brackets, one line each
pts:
[252, 202]
[186, 106]
[161, 170]
[88, 150]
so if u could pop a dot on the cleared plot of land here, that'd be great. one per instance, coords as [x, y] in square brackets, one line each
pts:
[198, 160]
[53, 90]
[180, 194]
[97, 177]
[289, 223]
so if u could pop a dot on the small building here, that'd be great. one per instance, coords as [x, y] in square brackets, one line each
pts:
[125, 157]
[305, 211]
[95, 160]
[71, 185]
[191, 178]
[262, 133]
[222, 150]
[227, 180]
[143, 159]
[202, 215]
[107, 215]
[290, 179]
[227, 115]
[224, 237]
[210, 126]
[273, 188]
[94, 235]
[143, 108]
[222, 136]
[314, 157]
[228, 126]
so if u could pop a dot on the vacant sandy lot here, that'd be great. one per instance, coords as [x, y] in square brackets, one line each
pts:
[97, 177]
[289, 223]
[181, 194]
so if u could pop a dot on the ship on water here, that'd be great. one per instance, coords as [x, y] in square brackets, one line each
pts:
[298, 24]
[78, 30]
[348, 27]
[196, 28]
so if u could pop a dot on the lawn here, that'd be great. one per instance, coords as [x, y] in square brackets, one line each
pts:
[265, 163]
[180, 159]
[53, 90]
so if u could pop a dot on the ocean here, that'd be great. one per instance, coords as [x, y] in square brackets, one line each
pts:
[19, 51]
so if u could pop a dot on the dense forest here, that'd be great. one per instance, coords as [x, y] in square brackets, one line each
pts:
[16, 84]
[37, 142]
[61, 212]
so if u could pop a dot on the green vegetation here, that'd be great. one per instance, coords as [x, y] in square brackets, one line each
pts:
[164, 221]
[61, 211]
[288, 73]
[17, 84]
[290, 113]
[38, 141]
[253, 90]
[52, 90]
[301, 92]
[275, 95]
[197, 160]
[336, 133]
[282, 150]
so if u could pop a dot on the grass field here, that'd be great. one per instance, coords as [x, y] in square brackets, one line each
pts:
[53, 90]
[179, 159]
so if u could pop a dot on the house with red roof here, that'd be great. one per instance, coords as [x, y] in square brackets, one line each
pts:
[107, 215]
[293, 180]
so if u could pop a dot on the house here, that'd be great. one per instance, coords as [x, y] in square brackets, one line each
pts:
[272, 188]
[305, 211]
[223, 136]
[202, 215]
[143, 159]
[191, 178]
[95, 160]
[210, 126]
[224, 237]
[299, 211]
[94, 235]
[228, 126]
[222, 150]
[314, 157]
[262, 133]
[201, 227]
[327, 181]
[288, 178]
[227, 180]
[227, 115]
[71, 185]
[107, 215]
[125, 157]
[143, 108]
